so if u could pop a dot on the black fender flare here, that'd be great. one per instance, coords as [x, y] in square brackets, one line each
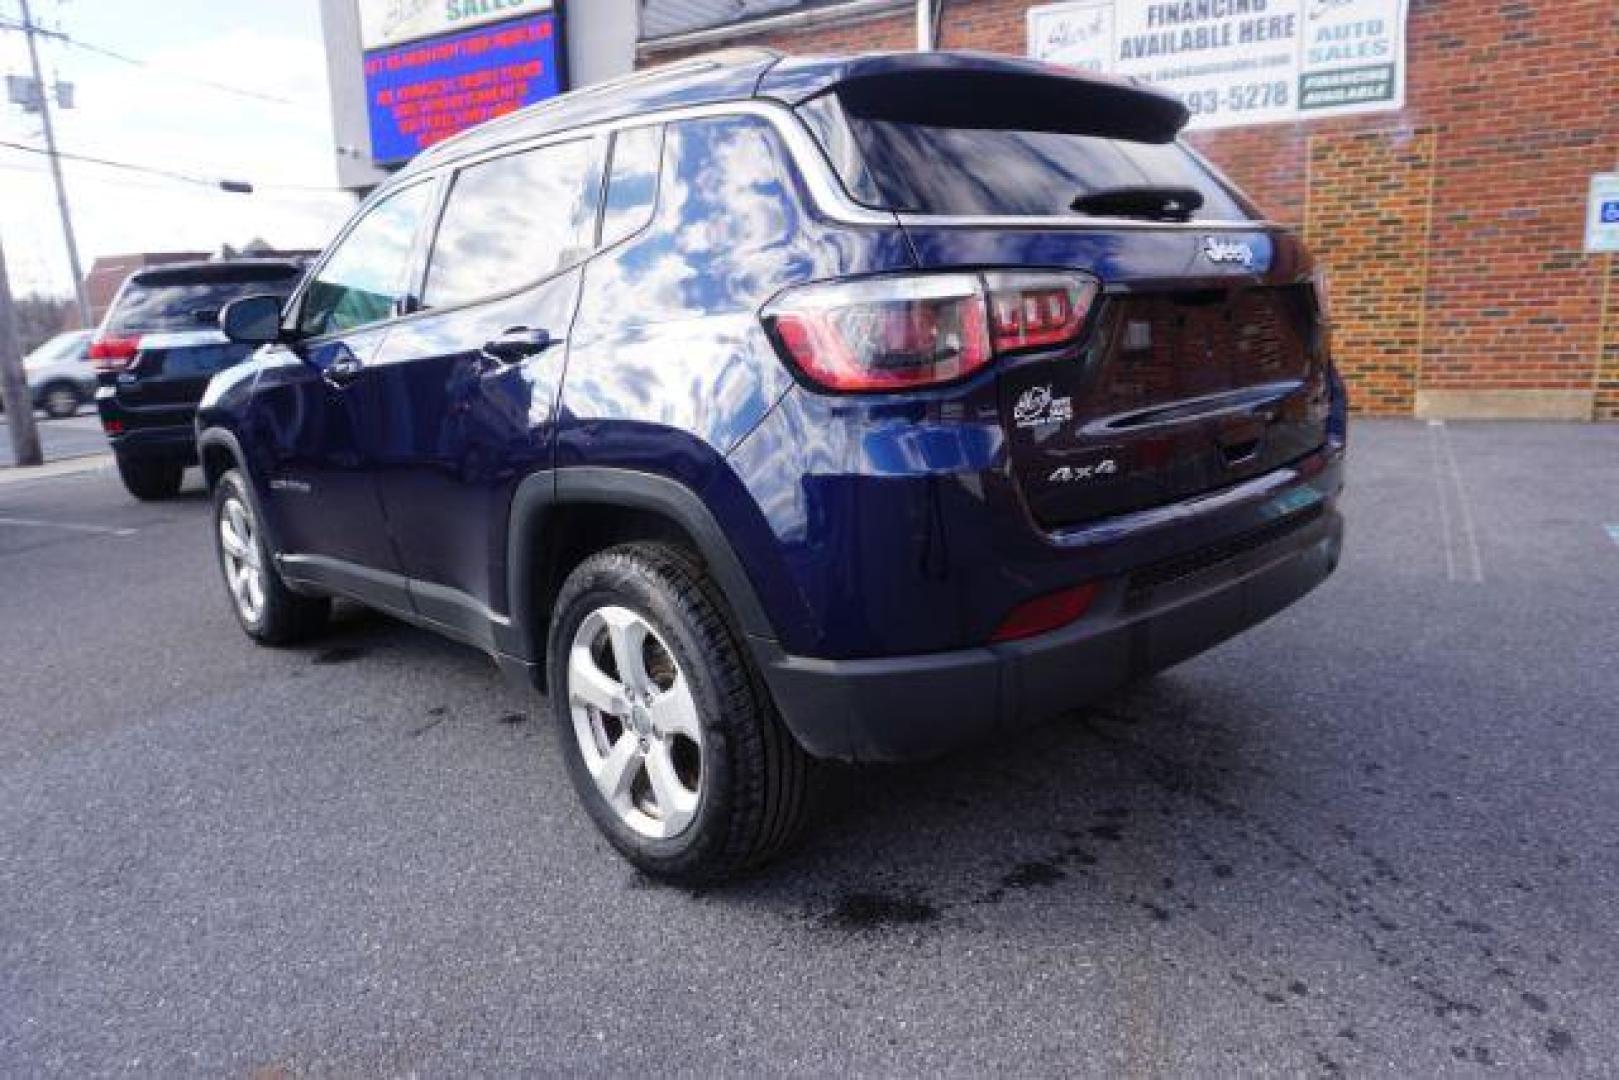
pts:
[542, 493]
[218, 438]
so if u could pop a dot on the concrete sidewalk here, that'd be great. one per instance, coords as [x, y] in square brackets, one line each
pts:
[63, 440]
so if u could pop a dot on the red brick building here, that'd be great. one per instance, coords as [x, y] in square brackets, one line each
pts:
[105, 278]
[1453, 228]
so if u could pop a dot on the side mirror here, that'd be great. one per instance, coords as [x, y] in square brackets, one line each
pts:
[252, 320]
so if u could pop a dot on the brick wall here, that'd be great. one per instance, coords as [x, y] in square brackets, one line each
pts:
[1452, 229]
[1367, 220]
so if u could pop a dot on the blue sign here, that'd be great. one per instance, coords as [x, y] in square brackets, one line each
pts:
[423, 92]
[1602, 217]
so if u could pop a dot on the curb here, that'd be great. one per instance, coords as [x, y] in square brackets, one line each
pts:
[12, 474]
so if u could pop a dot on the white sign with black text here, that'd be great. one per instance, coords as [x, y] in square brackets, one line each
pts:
[1238, 62]
[390, 22]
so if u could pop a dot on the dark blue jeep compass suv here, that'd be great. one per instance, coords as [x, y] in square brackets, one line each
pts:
[764, 409]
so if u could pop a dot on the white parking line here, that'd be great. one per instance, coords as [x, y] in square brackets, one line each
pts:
[1613, 532]
[1469, 533]
[70, 526]
[1467, 564]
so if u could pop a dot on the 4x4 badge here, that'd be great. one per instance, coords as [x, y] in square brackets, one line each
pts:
[1227, 251]
[1068, 474]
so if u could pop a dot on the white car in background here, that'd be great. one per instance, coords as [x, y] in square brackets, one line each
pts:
[60, 376]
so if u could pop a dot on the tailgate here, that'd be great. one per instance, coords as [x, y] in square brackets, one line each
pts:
[174, 368]
[1194, 372]
[1174, 392]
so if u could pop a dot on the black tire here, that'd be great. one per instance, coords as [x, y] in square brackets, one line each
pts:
[755, 777]
[60, 400]
[283, 617]
[150, 481]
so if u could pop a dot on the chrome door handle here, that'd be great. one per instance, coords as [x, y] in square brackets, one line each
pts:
[518, 343]
[342, 372]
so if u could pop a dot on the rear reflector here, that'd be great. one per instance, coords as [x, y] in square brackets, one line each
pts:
[1046, 612]
[112, 352]
[113, 427]
[900, 333]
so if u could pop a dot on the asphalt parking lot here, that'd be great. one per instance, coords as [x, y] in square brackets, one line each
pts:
[1376, 835]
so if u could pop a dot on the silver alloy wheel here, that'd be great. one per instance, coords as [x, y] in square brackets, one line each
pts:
[636, 721]
[239, 548]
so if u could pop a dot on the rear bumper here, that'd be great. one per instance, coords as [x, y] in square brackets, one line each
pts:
[902, 708]
[157, 444]
[150, 433]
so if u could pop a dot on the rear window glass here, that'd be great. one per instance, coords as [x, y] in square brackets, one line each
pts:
[925, 169]
[193, 361]
[189, 305]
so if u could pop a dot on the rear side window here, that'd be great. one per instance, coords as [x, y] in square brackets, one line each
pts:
[512, 220]
[941, 169]
[632, 183]
[190, 300]
[366, 275]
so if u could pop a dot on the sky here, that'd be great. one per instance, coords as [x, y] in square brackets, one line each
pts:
[163, 114]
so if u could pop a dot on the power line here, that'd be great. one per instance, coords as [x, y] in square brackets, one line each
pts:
[237, 186]
[64, 155]
[112, 54]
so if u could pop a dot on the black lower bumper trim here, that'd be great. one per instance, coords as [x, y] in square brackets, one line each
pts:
[157, 444]
[906, 708]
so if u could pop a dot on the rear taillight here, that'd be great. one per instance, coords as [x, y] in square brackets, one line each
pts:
[112, 352]
[1323, 295]
[885, 333]
[1028, 311]
[1045, 613]
[899, 333]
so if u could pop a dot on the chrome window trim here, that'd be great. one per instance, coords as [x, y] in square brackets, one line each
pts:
[1070, 224]
[826, 190]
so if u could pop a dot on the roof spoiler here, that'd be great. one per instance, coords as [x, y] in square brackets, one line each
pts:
[981, 90]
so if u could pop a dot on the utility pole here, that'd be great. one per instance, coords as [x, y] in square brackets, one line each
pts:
[30, 31]
[13, 386]
[924, 25]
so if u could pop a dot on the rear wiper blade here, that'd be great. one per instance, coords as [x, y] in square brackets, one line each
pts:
[1153, 202]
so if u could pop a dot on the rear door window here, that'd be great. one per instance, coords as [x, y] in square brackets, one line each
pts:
[366, 277]
[176, 300]
[514, 220]
[632, 183]
[942, 169]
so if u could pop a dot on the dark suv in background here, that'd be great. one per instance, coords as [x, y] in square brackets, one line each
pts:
[155, 352]
[763, 410]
